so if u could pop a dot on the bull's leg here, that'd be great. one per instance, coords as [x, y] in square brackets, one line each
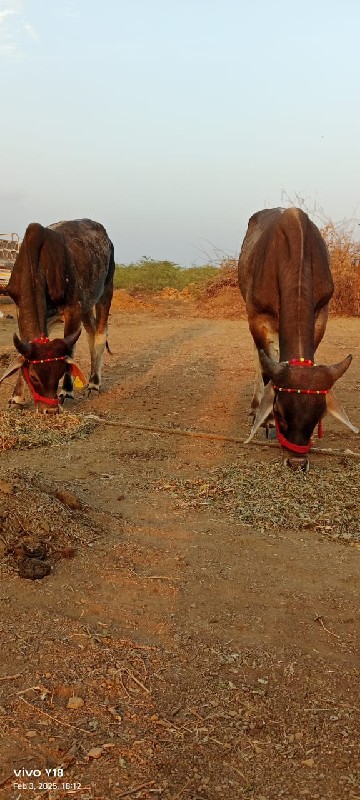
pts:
[258, 387]
[72, 324]
[90, 327]
[18, 395]
[97, 330]
[265, 338]
[97, 336]
[272, 350]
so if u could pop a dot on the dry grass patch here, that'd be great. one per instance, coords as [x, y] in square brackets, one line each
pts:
[29, 429]
[326, 499]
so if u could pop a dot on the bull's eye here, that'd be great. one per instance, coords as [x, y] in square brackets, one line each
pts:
[35, 379]
[280, 420]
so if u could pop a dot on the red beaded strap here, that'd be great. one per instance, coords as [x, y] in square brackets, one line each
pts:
[301, 362]
[298, 448]
[42, 339]
[301, 391]
[48, 401]
[301, 449]
[45, 360]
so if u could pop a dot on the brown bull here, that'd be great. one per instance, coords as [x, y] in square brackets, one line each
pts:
[285, 280]
[68, 269]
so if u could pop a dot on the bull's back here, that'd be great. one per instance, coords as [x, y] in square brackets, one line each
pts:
[254, 246]
[91, 254]
[283, 249]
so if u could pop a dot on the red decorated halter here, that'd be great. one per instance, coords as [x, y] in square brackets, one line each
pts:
[48, 401]
[283, 442]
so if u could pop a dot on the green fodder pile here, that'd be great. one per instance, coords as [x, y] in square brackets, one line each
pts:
[271, 497]
[29, 429]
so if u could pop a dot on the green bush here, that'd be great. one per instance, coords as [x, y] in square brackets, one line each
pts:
[148, 275]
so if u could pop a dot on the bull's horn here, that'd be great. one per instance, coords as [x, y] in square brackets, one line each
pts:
[335, 408]
[23, 347]
[17, 364]
[265, 408]
[337, 370]
[71, 339]
[271, 368]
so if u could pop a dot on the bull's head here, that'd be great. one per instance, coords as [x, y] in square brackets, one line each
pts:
[299, 396]
[43, 363]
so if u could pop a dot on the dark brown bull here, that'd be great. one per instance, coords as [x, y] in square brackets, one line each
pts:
[285, 280]
[66, 268]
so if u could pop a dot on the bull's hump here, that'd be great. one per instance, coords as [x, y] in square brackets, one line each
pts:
[77, 225]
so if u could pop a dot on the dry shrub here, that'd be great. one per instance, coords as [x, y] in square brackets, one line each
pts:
[225, 276]
[220, 297]
[344, 254]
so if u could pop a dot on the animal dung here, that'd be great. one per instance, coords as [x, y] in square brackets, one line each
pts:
[34, 568]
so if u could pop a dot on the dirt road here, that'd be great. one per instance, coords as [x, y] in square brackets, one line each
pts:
[211, 658]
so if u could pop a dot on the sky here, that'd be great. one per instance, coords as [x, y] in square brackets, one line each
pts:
[171, 123]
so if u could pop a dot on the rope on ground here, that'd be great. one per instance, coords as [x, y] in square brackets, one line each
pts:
[211, 436]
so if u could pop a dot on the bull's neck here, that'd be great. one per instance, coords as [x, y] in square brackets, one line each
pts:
[32, 320]
[297, 324]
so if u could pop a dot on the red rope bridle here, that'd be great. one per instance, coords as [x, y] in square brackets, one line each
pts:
[283, 442]
[48, 401]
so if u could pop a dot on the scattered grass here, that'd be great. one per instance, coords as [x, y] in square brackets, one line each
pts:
[29, 429]
[318, 501]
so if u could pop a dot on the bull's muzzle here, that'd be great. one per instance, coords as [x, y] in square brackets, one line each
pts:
[41, 408]
[297, 462]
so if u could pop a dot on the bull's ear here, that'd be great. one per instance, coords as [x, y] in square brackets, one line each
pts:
[265, 408]
[75, 370]
[335, 408]
[17, 364]
[22, 347]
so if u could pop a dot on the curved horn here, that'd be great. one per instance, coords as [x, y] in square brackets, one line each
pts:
[22, 347]
[337, 370]
[71, 339]
[271, 368]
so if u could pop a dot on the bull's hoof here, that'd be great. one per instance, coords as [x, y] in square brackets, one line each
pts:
[271, 432]
[65, 394]
[93, 387]
[15, 402]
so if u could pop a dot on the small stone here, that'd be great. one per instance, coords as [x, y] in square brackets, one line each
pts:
[95, 752]
[75, 702]
[68, 499]
[6, 487]
[31, 734]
